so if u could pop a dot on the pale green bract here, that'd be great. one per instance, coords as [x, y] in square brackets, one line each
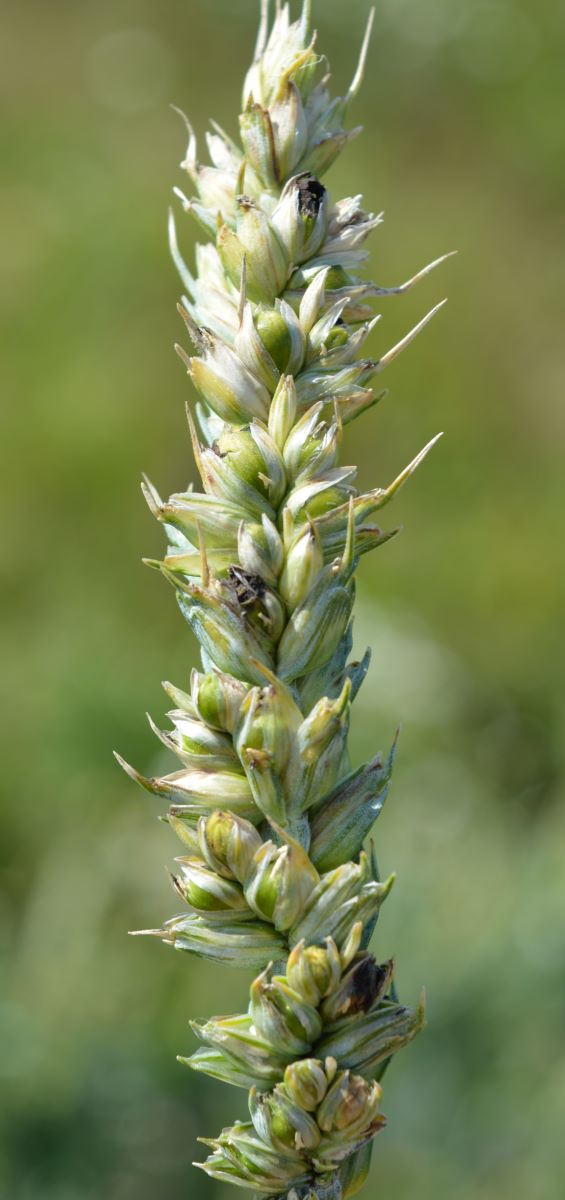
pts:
[271, 816]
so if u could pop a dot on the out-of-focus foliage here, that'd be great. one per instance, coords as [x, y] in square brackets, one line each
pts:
[464, 148]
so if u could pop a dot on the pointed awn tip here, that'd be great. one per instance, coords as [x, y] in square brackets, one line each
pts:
[263, 31]
[408, 284]
[184, 357]
[185, 275]
[401, 479]
[409, 337]
[145, 932]
[360, 71]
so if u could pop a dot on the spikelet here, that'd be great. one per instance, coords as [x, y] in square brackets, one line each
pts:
[271, 818]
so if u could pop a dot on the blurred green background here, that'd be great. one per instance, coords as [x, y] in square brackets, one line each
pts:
[464, 148]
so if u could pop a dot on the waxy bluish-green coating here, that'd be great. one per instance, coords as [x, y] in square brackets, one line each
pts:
[271, 816]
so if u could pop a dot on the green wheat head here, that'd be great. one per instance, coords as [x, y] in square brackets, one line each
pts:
[272, 818]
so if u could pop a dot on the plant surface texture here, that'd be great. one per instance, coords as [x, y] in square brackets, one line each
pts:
[272, 819]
